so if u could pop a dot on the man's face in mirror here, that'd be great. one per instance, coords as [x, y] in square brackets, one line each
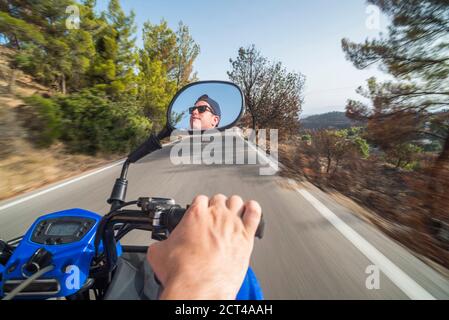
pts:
[203, 120]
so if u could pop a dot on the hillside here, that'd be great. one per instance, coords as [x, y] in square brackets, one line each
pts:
[24, 167]
[330, 120]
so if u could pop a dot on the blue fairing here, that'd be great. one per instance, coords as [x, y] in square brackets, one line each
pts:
[250, 289]
[77, 254]
[80, 254]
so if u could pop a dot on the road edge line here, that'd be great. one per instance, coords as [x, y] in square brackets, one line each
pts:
[63, 184]
[403, 281]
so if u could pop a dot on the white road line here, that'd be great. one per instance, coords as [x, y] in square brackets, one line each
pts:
[409, 286]
[412, 289]
[272, 163]
[21, 200]
[13, 203]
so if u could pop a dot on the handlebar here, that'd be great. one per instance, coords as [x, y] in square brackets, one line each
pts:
[171, 217]
[158, 215]
[168, 220]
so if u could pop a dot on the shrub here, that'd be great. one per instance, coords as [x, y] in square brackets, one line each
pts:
[404, 155]
[43, 118]
[93, 123]
[87, 122]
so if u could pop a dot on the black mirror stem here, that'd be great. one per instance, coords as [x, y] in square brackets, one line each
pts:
[165, 132]
[118, 194]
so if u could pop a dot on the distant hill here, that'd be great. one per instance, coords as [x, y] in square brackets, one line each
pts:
[330, 120]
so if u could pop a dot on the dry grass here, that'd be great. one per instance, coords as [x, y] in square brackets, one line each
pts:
[25, 172]
[24, 168]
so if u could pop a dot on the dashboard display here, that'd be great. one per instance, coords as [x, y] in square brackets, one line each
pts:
[63, 228]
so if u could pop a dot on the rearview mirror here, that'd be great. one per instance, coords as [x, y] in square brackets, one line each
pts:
[203, 105]
[206, 105]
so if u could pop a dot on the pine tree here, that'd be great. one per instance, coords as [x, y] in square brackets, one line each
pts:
[126, 57]
[159, 43]
[187, 52]
[102, 72]
[154, 89]
[165, 65]
[48, 49]
[176, 50]
[14, 29]
[415, 53]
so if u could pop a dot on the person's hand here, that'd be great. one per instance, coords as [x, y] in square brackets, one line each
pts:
[208, 253]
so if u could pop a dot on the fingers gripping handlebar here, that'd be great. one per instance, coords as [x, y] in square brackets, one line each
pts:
[170, 218]
[158, 215]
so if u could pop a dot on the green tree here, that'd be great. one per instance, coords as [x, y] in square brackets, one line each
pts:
[154, 89]
[306, 137]
[187, 51]
[48, 50]
[110, 90]
[336, 147]
[87, 122]
[15, 30]
[126, 56]
[93, 123]
[165, 65]
[159, 43]
[404, 155]
[177, 50]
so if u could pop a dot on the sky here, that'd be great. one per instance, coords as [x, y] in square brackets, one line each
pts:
[305, 35]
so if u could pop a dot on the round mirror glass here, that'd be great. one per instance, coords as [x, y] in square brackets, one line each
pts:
[205, 106]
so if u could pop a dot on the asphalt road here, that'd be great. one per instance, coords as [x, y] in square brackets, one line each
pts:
[313, 248]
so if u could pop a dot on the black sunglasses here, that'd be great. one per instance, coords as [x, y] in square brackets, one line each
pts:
[201, 109]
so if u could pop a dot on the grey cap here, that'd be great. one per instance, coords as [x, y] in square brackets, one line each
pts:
[213, 104]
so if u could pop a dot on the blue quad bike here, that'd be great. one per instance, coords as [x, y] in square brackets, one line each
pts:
[76, 254]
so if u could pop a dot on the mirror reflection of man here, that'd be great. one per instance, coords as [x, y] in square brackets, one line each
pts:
[205, 114]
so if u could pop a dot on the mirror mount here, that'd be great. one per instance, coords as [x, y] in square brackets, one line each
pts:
[118, 194]
[153, 143]
[165, 132]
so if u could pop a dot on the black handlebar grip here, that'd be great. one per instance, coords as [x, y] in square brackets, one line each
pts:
[260, 228]
[173, 216]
